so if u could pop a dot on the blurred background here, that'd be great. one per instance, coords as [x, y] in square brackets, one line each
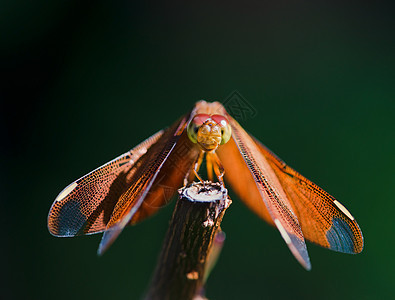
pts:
[84, 81]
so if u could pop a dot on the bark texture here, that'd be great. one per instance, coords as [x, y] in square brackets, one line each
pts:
[181, 269]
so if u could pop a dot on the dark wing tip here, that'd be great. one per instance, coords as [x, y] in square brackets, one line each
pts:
[66, 220]
[342, 238]
[109, 236]
[300, 252]
[296, 244]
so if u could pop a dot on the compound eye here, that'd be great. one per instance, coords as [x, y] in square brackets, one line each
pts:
[194, 124]
[226, 130]
[226, 133]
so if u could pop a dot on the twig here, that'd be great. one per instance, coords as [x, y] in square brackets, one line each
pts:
[181, 269]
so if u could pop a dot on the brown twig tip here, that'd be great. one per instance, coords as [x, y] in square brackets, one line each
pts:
[189, 250]
[206, 191]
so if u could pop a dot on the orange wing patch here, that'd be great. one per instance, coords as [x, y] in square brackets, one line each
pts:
[85, 206]
[271, 192]
[324, 220]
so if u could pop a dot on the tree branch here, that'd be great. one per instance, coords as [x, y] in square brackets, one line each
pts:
[182, 265]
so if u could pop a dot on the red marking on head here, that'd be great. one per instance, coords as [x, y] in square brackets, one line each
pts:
[199, 119]
[220, 120]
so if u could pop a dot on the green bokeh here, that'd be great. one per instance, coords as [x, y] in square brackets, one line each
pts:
[87, 82]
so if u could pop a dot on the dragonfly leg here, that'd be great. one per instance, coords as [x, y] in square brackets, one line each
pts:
[218, 167]
[195, 169]
[209, 166]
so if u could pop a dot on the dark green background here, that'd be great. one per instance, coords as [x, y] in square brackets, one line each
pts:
[85, 82]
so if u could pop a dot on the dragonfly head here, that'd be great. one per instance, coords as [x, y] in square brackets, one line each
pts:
[209, 131]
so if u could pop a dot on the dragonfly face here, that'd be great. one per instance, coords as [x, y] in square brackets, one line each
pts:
[209, 131]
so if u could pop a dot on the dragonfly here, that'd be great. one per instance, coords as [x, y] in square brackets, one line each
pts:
[133, 186]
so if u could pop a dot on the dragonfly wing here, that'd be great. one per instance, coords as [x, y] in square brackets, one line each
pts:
[85, 206]
[263, 192]
[324, 220]
[162, 170]
[169, 179]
